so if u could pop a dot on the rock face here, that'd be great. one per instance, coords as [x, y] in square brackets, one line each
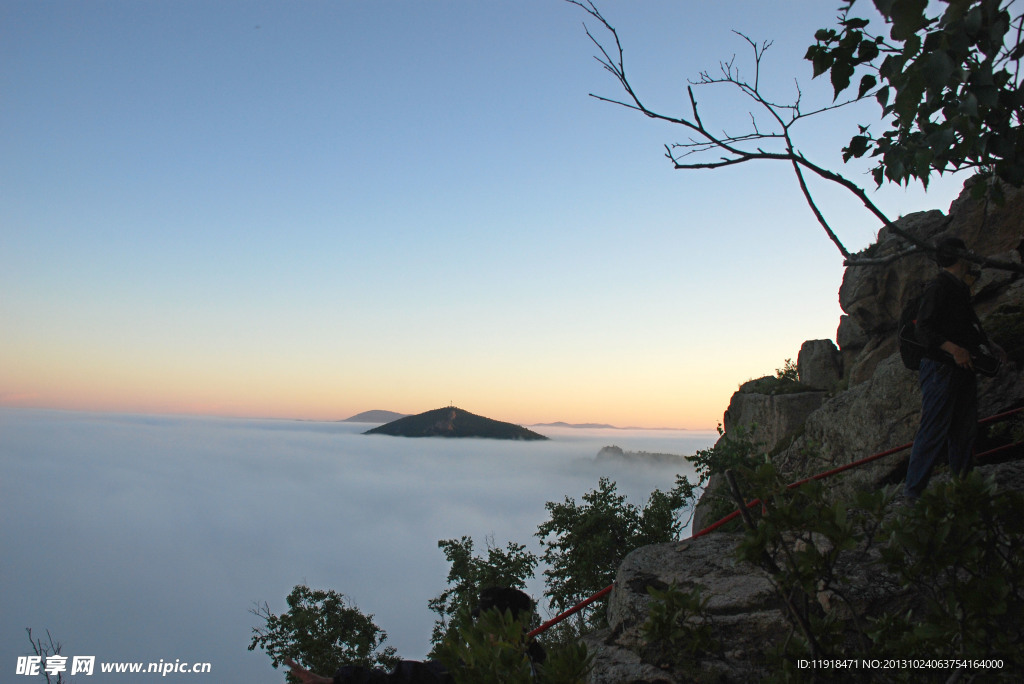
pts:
[770, 418]
[874, 296]
[855, 399]
[742, 602]
[871, 417]
[746, 615]
[819, 364]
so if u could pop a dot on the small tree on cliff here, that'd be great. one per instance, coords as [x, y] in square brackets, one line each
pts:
[322, 631]
[585, 543]
[949, 86]
[470, 573]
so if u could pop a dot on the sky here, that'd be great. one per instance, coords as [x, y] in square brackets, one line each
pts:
[310, 209]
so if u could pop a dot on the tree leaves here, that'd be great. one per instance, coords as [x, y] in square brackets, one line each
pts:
[469, 573]
[322, 631]
[945, 81]
[584, 544]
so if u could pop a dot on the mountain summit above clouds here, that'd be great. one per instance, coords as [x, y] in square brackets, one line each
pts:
[376, 416]
[453, 422]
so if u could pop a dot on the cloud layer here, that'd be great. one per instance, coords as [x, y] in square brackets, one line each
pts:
[141, 538]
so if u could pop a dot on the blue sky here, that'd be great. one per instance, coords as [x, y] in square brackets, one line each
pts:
[310, 209]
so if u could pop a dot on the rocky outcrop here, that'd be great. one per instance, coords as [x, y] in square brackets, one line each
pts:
[746, 615]
[770, 419]
[873, 296]
[742, 602]
[880, 407]
[854, 399]
[616, 453]
[870, 417]
[819, 365]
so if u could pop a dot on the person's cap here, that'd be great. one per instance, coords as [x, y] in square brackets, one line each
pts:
[949, 251]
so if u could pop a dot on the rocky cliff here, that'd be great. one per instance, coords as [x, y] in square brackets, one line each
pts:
[854, 398]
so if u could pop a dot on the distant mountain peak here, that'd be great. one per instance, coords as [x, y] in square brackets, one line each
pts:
[451, 421]
[591, 426]
[375, 416]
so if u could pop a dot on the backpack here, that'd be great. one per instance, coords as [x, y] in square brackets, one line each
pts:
[911, 350]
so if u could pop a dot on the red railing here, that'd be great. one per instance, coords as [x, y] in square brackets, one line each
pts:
[820, 476]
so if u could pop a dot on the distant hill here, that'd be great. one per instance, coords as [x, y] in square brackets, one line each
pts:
[614, 453]
[453, 422]
[374, 417]
[596, 426]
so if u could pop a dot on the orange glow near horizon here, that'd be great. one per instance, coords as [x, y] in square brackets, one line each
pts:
[639, 392]
[148, 394]
[254, 408]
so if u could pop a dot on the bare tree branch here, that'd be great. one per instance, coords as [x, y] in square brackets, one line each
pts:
[43, 651]
[734, 149]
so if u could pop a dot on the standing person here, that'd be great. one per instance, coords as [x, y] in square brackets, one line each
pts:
[950, 330]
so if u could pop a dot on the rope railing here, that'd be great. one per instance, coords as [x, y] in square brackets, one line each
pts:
[820, 476]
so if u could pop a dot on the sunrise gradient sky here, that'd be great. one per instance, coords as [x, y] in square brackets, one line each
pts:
[310, 209]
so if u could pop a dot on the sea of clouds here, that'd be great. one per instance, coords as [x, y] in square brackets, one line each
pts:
[147, 538]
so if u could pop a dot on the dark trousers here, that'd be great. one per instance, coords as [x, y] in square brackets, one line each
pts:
[949, 423]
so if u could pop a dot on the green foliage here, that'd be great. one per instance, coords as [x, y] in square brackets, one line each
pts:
[951, 561]
[789, 372]
[678, 626]
[321, 631]
[469, 574]
[958, 549]
[785, 381]
[585, 543]
[494, 649]
[947, 81]
[798, 538]
[735, 451]
[568, 662]
[732, 451]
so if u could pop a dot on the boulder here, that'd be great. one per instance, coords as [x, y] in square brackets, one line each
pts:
[869, 418]
[819, 364]
[878, 348]
[849, 335]
[743, 606]
[988, 228]
[770, 419]
[747, 617]
[874, 295]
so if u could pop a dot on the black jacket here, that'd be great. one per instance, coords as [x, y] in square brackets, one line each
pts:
[946, 314]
